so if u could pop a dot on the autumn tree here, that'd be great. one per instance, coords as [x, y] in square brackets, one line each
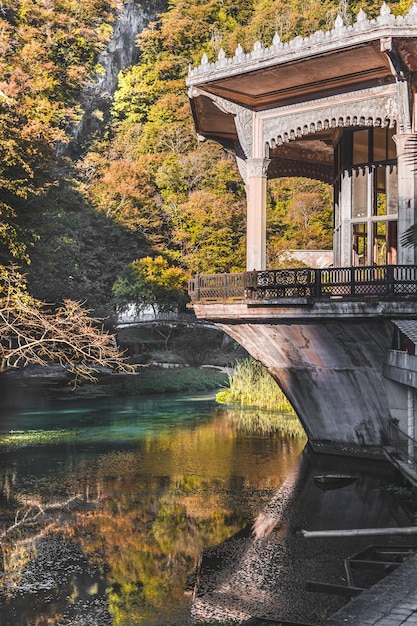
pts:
[48, 54]
[151, 282]
[48, 51]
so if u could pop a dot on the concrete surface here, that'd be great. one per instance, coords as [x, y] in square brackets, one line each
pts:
[391, 602]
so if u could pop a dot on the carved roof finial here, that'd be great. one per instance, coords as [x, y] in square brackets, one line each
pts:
[239, 51]
[277, 39]
[361, 17]
[412, 12]
[385, 16]
[385, 10]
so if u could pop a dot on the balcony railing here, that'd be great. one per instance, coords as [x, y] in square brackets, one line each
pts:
[360, 283]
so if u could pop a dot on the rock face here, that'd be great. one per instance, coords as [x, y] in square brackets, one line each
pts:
[121, 51]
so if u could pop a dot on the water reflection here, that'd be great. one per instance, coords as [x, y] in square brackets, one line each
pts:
[107, 505]
[163, 511]
[264, 572]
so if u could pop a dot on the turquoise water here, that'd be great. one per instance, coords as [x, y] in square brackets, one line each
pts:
[106, 505]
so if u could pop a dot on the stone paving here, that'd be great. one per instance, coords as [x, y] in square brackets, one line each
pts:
[391, 602]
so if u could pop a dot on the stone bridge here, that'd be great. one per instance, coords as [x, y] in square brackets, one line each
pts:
[328, 343]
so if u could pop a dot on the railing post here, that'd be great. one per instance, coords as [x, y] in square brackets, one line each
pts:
[390, 279]
[225, 286]
[352, 281]
[197, 286]
[317, 283]
[249, 282]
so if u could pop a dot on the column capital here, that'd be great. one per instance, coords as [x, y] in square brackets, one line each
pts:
[257, 168]
[406, 144]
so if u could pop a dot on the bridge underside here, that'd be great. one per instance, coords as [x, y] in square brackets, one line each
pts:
[329, 364]
[332, 374]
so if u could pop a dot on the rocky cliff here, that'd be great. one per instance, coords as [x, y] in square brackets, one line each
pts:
[120, 52]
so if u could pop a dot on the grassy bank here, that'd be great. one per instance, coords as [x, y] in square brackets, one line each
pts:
[160, 380]
[251, 385]
[259, 404]
[147, 379]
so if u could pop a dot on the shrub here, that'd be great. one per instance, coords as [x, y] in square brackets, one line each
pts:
[250, 384]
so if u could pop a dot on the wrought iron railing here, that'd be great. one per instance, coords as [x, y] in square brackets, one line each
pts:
[405, 447]
[387, 281]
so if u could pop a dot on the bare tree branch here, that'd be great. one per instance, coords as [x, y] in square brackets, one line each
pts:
[31, 332]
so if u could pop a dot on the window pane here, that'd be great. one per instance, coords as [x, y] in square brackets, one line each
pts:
[392, 189]
[392, 148]
[359, 241]
[380, 202]
[360, 147]
[392, 243]
[380, 144]
[336, 205]
[379, 253]
[360, 193]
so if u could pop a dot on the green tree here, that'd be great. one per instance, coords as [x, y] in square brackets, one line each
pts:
[151, 282]
[300, 216]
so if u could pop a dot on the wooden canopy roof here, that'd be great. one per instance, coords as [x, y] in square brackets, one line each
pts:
[369, 54]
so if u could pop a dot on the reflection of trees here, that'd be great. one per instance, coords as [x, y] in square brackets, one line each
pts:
[149, 556]
[146, 514]
[30, 523]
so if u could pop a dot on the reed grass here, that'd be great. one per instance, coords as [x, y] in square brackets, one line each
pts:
[258, 403]
[251, 385]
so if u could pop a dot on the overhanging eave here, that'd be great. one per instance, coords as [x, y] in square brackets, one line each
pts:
[210, 122]
[302, 79]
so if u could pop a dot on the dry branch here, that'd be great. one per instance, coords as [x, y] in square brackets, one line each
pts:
[31, 332]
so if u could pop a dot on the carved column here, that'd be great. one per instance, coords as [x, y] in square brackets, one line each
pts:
[343, 252]
[407, 193]
[256, 214]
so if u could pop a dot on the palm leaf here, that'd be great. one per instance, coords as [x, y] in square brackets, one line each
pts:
[409, 237]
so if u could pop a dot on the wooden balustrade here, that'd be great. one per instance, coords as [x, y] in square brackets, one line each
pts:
[360, 283]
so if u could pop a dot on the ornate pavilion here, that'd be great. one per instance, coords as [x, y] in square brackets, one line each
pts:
[337, 106]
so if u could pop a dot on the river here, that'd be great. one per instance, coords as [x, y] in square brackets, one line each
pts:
[162, 511]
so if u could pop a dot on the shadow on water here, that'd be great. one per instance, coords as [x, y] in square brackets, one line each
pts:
[162, 511]
[265, 572]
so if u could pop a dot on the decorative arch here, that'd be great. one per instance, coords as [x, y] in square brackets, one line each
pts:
[375, 106]
[296, 133]
[283, 168]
